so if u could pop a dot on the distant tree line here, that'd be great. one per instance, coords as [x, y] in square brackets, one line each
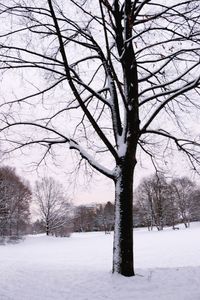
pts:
[158, 202]
[96, 217]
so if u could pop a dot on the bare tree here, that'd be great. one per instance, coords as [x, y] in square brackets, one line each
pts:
[126, 70]
[195, 209]
[94, 217]
[183, 189]
[152, 196]
[160, 200]
[163, 203]
[37, 227]
[54, 209]
[15, 197]
[143, 200]
[105, 217]
[84, 218]
[172, 214]
[108, 217]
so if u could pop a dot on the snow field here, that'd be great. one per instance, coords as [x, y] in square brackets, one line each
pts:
[79, 267]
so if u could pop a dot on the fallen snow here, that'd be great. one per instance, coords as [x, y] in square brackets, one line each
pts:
[78, 268]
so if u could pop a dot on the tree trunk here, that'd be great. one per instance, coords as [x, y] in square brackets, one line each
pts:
[123, 231]
[47, 228]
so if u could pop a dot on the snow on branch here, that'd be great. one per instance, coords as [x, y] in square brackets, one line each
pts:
[49, 142]
[90, 159]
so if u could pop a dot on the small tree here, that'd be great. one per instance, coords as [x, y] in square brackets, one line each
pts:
[53, 206]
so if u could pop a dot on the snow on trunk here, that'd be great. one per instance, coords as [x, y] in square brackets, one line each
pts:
[123, 232]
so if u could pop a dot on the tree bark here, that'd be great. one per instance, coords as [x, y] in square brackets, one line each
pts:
[47, 228]
[123, 231]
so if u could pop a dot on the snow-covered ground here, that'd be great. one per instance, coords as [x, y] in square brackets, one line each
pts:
[79, 267]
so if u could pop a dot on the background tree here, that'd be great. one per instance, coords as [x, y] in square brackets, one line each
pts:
[184, 189]
[84, 218]
[53, 206]
[15, 197]
[172, 213]
[38, 226]
[166, 203]
[195, 211]
[94, 217]
[143, 201]
[105, 217]
[153, 199]
[134, 75]
[108, 217]
[160, 200]
[99, 222]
